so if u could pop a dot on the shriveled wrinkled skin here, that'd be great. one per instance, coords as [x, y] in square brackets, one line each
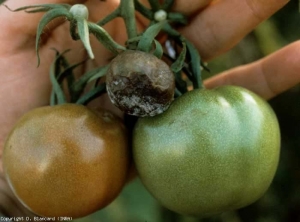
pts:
[24, 87]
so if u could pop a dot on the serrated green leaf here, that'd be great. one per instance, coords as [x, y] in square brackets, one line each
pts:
[145, 44]
[48, 17]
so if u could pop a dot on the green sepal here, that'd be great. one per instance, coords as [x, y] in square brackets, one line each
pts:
[78, 86]
[92, 94]
[73, 30]
[179, 62]
[177, 93]
[48, 17]
[177, 17]
[145, 43]
[154, 4]
[57, 95]
[143, 10]
[158, 52]
[83, 32]
[69, 75]
[108, 18]
[167, 5]
[40, 8]
[105, 38]
[177, 67]
[98, 73]
[59, 62]
[195, 64]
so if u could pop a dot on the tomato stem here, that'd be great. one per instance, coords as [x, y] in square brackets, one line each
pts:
[127, 11]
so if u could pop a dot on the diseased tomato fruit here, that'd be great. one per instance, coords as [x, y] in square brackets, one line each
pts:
[66, 160]
[140, 84]
[211, 151]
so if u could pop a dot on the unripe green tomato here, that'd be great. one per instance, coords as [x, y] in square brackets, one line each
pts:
[211, 151]
[66, 160]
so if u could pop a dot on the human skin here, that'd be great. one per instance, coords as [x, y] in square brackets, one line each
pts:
[214, 28]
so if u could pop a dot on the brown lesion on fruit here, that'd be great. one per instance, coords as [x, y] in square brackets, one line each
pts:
[140, 84]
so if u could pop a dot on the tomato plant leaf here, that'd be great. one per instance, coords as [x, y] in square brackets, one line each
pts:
[97, 73]
[179, 62]
[78, 86]
[57, 95]
[177, 92]
[40, 8]
[167, 5]
[195, 64]
[92, 94]
[145, 43]
[176, 68]
[48, 17]
[83, 32]
[158, 52]
[108, 18]
[105, 38]
[154, 4]
[143, 10]
[177, 17]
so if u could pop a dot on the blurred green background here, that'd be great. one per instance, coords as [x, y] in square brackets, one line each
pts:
[282, 201]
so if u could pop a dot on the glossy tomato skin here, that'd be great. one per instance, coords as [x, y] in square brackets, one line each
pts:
[210, 152]
[66, 160]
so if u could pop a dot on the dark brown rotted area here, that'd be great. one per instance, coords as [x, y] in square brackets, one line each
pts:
[140, 84]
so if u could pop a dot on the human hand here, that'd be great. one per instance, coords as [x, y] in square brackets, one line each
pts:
[222, 24]
[215, 28]
[24, 86]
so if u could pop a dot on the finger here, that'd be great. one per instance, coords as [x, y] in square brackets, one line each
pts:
[267, 77]
[225, 22]
[189, 7]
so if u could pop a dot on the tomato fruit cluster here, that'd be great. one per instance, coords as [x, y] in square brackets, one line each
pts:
[211, 151]
[66, 160]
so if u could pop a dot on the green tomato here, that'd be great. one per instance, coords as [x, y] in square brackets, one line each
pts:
[211, 151]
